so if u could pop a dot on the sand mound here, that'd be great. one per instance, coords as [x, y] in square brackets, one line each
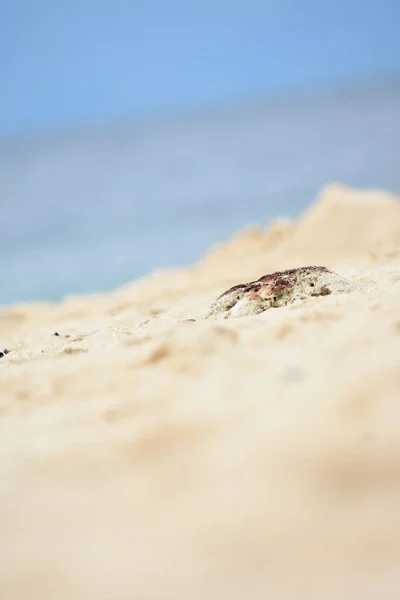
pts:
[145, 455]
[341, 224]
[347, 223]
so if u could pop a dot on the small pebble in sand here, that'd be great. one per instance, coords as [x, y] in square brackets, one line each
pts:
[278, 289]
[1, 354]
[56, 333]
[5, 351]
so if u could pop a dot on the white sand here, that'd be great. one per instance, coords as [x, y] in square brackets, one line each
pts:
[148, 457]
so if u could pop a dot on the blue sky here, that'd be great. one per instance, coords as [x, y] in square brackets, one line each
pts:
[70, 62]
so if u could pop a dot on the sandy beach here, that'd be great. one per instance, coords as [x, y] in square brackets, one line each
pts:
[150, 453]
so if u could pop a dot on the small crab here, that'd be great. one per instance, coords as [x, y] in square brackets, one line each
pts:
[278, 289]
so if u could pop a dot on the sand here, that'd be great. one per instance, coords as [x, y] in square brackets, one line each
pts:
[151, 456]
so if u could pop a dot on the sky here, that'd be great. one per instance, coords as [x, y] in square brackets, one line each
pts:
[66, 63]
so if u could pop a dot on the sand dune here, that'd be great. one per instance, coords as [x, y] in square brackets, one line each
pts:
[149, 456]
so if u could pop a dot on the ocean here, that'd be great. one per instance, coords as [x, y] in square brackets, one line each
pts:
[90, 209]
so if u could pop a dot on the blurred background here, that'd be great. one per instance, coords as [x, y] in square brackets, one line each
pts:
[135, 134]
